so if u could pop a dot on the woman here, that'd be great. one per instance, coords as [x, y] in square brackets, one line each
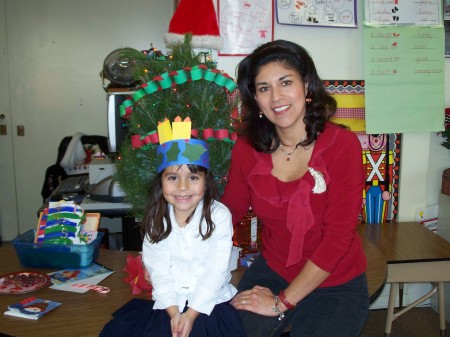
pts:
[303, 177]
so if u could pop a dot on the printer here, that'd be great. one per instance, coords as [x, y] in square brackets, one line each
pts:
[102, 186]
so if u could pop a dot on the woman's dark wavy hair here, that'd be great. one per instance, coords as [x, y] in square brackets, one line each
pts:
[157, 208]
[260, 132]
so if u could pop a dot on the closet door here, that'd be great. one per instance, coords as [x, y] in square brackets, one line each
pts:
[8, 205]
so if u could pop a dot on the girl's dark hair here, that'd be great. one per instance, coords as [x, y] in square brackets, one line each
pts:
[260, 132]
[157, 208]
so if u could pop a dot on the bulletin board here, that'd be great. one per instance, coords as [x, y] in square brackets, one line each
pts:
[380, 152]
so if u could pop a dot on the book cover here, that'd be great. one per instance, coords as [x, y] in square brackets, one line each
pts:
[66, 279]
[31, 308]
[66, 276]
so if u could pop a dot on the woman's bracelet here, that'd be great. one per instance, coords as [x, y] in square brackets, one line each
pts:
[276, 309]
[283, 299]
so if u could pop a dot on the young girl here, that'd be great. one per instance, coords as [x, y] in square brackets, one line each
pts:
[187, 247]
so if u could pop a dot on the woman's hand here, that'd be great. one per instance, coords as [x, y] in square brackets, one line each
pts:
[259, 300]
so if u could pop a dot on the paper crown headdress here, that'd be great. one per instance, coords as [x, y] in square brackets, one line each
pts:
[176, 146]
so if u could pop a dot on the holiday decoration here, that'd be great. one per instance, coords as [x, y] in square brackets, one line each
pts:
[173, 87]
[136, 275]
[60, 223]
[176, 146]
[196, 17]
[320, 185]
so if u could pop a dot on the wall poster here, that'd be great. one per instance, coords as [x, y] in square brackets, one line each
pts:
[404, 49]
[330, 13]
[380, 152]
[244, 25]
[407, 12]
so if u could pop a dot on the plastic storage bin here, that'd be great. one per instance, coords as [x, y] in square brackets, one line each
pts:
[41, 255]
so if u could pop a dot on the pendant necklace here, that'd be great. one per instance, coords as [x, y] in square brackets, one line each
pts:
[288, 154]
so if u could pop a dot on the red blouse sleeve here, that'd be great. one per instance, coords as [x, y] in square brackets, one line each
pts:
[236, 195]
[343, 204]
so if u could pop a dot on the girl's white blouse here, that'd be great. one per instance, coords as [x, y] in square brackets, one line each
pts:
[184, 267]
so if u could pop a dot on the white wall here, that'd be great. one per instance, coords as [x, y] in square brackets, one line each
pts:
[56, 50]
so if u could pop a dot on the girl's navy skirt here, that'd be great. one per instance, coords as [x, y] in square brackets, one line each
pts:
[137, 318]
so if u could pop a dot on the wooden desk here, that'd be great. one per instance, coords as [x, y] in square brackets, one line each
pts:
[413, 254]
[86, 314]
[80, 314]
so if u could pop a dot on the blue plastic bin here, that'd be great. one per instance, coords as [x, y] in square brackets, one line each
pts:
[45, 255]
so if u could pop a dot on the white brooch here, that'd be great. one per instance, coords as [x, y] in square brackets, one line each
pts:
[320, 186]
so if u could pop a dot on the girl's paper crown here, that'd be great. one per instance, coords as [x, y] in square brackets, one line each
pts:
[176, 146]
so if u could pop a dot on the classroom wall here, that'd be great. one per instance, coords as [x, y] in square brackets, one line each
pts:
[56, 49]
[338, 54]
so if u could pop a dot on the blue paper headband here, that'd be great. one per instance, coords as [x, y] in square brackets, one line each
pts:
[182, 151]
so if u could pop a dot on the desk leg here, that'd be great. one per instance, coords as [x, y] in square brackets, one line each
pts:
[441, 308]
[390, 309]
[401, 287]
[391, 316]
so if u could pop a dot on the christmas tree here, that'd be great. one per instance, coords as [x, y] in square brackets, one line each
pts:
[182, 83]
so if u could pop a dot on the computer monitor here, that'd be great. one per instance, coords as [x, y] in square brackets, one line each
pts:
[117, 126]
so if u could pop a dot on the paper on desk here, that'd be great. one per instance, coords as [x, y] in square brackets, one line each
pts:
[93, 274]
[91, 280]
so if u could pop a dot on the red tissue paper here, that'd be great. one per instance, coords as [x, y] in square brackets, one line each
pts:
[136, 277]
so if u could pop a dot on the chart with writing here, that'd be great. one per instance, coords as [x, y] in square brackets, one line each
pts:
[404, 73]
[244, 25]
[339, 13]
[403, 12]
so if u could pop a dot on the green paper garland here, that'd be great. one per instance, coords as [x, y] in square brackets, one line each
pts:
[166, 81]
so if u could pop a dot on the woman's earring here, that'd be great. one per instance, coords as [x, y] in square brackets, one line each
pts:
[260, 114]
[308, 100]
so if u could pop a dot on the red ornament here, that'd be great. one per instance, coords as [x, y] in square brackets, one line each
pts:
[136, 277]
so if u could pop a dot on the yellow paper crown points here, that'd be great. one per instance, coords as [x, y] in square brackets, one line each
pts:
[181, 129]
[178, 130]
[164, 131]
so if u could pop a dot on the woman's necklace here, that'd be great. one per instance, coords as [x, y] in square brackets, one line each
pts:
[287, 153]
